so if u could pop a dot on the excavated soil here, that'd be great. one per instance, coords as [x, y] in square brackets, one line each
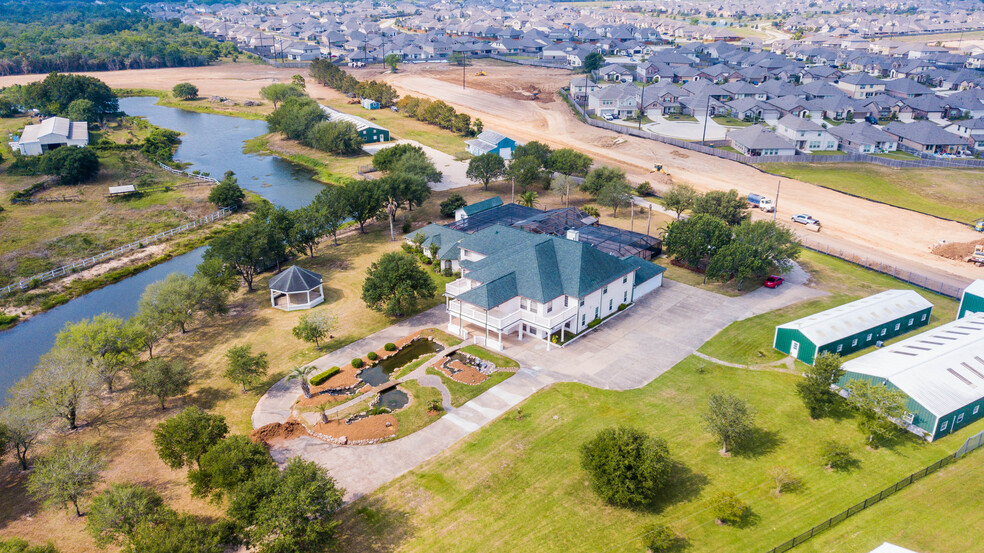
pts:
[959, 251]
[277, 431]
[369, 428]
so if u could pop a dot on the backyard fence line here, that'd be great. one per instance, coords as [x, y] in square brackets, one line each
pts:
[971, 444]
[94, 260]
[534, 63]
[752, 160]
[915, 279]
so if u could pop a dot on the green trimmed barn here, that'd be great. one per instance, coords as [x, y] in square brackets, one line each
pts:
[941, 372]
[853, 326]
[972, 300]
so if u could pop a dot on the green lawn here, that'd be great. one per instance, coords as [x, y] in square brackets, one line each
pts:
[415, 416]
[402, 126]
[496, 359]
[829, 153]
[898, 154]
[463, 393]
[948, 193]
[730, 121]
[749, 341]
[518, 485]
[691, 278]
[677, 117]
[935, 514]
[727, 149]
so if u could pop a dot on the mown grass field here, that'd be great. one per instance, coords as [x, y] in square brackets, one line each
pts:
[517, 484]
[947, 193]
[749, 342]
[940, 513]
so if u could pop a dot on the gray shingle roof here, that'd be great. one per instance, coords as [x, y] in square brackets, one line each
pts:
[295, 279]
[758, 137]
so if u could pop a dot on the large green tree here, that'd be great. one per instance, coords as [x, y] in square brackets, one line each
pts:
[231, 462]
[182, 439]
[599, 177]
[70, 164]
[727, 206]
[694, 239]
[61, 385]
[626, 467]
[592, 62]
[161, 379]
[315, 326]
[814, 388]
[82, 110]
[332, 210]
[185, 91]
[24, 424]
[363, 201]
[105, 342]
[615, 195]
[179, 533]
[679, 198]
[243, 249]
[525, 171]
[729, 418]
[54, 93]
[66, 475]
[395, 284]
[733, 261]
[277, 93]
[116, 511]
[245, 368]
[335, 137]
[288, 511]
[877, 407]
[227, 193]
[295, 117]
[535, 149]
[570, 162]
[486, 168]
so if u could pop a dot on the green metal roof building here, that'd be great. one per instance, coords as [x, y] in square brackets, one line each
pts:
[972, 300]
[941, 371]
[369, 131]
[853, 326]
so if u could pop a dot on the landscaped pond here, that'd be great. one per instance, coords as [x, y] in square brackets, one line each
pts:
[381, 371]
[393, 399]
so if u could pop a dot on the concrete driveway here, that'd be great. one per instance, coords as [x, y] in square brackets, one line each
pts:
[452, 170]
[628, 351]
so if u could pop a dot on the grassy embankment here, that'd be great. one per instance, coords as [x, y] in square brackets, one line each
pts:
[44, 235]
[947, 193]
[519, 485]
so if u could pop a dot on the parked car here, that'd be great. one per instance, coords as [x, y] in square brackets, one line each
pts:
[805, 219]
[871, 119]
[609, 117]
[774, 281]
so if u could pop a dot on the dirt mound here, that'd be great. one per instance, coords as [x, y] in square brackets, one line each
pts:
[955, 250]
[277, 431]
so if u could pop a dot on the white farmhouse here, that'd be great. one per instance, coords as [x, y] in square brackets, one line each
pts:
[51, 133]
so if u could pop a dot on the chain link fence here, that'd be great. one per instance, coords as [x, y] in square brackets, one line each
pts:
[971, 444]
[922, 281]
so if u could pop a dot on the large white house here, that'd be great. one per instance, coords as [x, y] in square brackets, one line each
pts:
[807, 135]
[527, 284]
[51, 133]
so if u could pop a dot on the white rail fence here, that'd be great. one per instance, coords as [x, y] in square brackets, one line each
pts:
[174, 171]
[96, 259]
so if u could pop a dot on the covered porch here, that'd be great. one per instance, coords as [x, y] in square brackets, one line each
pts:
[498, 327]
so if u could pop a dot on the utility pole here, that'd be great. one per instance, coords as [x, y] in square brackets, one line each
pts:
[642, 100]
[650, 220]
[463, 64]
[512, 191]
[707, 112]
[775, 208]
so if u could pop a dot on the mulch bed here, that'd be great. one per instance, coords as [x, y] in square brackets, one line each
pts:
[466, 374]
[323, 399]
[369, 428]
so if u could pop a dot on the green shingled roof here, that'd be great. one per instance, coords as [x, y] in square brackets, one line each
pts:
[645, 270]
[444, 237]
[478, 207]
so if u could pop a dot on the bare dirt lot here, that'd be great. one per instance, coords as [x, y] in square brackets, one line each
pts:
[500, 100]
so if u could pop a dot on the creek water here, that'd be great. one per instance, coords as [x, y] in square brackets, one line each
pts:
[211, 143]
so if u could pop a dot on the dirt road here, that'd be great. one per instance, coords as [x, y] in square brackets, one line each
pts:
[503, 100]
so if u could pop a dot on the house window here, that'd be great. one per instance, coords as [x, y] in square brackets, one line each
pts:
[814, 145]
[596, 313]
[840, 347]
[524, 304]
[869, 338]
[960, 418]
[625, 279]
[625, 297]
[584, 318]
[566, 301]
[582, 302]
[610, 303]
[854, 342]
[549, 307]
[884, 331]
[943, 426]
[910, 321]
[923, 317]
[977, 408]
[605, 291]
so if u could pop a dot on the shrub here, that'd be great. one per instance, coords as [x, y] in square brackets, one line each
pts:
[357, 363]
[447, 272]
[622, 306]
[406, 228]
[594, 323]
[626, 466]
[644, 189]
[378, 410]
[390, 346]
[729, 509]
[435, 405]
[835, 455]
[372, 356]
[321, 378]
[450, 205]
[660, 539]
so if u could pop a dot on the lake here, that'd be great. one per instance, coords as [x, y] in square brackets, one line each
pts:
[211, 143]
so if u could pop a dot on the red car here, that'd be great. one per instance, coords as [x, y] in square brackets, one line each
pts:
[773, 281]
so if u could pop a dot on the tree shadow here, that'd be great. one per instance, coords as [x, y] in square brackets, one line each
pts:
[758, 443]
[684, 485]
[208, 397]
[15, 503]
[840, 411]
[749, 518]
[368, 525]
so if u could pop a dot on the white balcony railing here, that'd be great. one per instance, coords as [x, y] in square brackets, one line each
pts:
[495, 318]
[460, 286]
[550, 320]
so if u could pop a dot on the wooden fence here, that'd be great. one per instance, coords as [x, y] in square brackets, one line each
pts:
[183, 173]
[751, 160]
[90, 261]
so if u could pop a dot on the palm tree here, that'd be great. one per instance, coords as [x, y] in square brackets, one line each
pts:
[301, 374]
[529, 199]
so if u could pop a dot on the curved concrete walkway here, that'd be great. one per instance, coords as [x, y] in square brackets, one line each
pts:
[627, 352]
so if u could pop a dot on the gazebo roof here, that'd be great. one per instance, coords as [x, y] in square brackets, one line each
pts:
[295, 279]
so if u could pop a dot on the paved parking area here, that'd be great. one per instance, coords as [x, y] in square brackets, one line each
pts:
[452, 170]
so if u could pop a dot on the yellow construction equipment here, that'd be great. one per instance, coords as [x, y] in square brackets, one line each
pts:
[480, 74]
[977, 258]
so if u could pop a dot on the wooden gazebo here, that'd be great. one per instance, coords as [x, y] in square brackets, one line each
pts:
[296, 288]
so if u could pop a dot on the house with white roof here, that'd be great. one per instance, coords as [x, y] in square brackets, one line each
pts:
[51, 133]
[853, 326]
[941, 372]
[491, 142]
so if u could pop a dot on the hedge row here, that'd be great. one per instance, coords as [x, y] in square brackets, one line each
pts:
[320, 379]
